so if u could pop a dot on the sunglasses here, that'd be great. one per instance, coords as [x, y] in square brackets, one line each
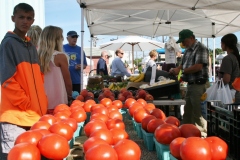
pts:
[121, 53]
[74, 36]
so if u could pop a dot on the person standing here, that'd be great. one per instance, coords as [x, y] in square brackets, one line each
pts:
[101, 65]
[118, 67]
[34, 33]
[229, 68]
[55, 66]
[74, 53]
[23, 98]
[194, 68]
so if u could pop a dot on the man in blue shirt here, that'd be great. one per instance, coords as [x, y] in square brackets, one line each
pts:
[74, 53]
[101, 65]
[118, 67]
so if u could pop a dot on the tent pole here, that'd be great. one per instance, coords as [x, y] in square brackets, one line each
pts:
[91, 53]
[132, 56]
[82, 5]
[214, 31]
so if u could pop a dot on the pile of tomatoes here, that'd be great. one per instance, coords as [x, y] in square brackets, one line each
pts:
[107, 138]
[50, 136]
[184, 140]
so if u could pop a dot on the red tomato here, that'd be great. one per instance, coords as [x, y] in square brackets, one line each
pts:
[97, 106]
[87, 107]
[115, 123]
[146, 120]
[134, 107]
[41, 125]
[76, 106]
[71, 122]
[100, 116]
[175, 147]
[104, 134]
[43, 131]
[189, 130]
[79, 115]
[77, 102]
[61, 115]
[24, 151]
[102, 110]
[172, 120]
[153, 124]
[62, 129]
[158, 113]
[129, 102]
[60, 107]
[53, 143]
[139, 114]
[195, 148]
[142, 101]
[115, 115]
[94, 125]
[31, 136]
[102, 152]
[219, 148]
[118, 104]
[91, 142]
[149, 106]
[118, 134]
[91, 101]
[165, 133]
[48, 118]
[112, 108]
[127, 150]
[106, 102]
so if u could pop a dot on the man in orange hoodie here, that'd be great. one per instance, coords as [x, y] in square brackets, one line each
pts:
[23, 99]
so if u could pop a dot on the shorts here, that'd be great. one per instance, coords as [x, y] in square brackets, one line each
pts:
[8, 134]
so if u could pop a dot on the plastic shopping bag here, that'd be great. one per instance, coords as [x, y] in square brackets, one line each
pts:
[211, 92]
[224, 94]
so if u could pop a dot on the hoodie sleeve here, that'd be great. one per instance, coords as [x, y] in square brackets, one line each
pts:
[9, 85]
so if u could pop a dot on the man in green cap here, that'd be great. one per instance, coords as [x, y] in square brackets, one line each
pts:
[194, 68]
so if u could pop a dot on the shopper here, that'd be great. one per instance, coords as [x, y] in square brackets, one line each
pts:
[74, 53]
[34, 33]
[194, 68]
[23, 99]
[54, 63]
[229, 68]
[101, 65]
[118, 67]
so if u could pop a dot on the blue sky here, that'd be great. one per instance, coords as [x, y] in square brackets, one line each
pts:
[67, 15]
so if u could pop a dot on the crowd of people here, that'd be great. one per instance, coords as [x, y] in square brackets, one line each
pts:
[38, 72]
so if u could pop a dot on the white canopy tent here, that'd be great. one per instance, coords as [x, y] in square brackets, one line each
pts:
[153, 18]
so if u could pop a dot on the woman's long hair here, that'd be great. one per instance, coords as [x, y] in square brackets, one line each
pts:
[51, 39]
[33, 33]
[230, 41]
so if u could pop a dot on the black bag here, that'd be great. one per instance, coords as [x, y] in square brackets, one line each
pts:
[148, 74]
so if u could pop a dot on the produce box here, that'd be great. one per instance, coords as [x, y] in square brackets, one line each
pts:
[164, 90]
[162, 150]
[224, 122]
[78, 132]
[148, 140]
[88, 118]
[138, 129]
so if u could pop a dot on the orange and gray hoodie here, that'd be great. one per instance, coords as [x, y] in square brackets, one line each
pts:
[23, 99]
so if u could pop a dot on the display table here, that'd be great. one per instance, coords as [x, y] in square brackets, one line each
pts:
[166, 103]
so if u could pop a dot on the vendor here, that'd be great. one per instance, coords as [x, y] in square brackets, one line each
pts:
[151, 72]
[118, 67]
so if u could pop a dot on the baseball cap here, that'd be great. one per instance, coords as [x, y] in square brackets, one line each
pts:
[185, 33]
[72, 33]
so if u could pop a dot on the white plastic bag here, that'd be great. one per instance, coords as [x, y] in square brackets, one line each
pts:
[212, 91]
[224, 94]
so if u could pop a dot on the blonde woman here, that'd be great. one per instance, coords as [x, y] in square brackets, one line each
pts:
[151, 72]
[34, 33]
[54, 64]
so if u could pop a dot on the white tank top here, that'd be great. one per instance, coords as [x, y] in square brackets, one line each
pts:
[54, 85]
